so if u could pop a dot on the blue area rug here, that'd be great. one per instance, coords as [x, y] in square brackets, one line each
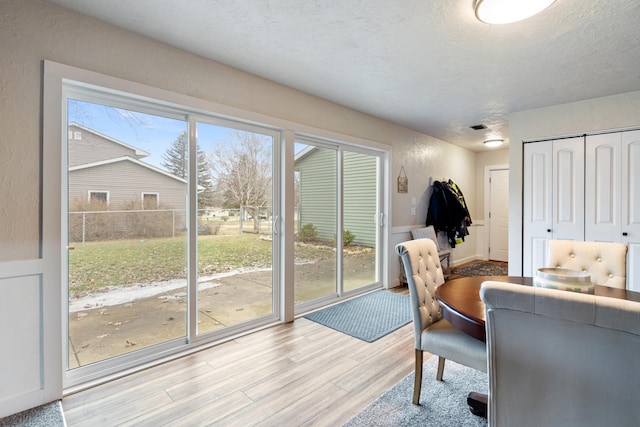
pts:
[49, 415]
[442, 403]
[368, 317]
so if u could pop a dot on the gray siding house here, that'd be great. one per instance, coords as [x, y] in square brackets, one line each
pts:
[115, 195]
[102, 168]
[317, 192]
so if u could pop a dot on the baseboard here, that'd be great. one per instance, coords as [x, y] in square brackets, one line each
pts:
[467, 259]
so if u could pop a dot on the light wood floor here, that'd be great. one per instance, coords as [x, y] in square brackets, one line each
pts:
[288, 375]
[298, 374]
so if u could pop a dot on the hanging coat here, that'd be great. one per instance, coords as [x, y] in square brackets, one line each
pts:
[448, 212]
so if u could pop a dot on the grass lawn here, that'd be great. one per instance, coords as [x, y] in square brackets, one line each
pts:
[96, 265]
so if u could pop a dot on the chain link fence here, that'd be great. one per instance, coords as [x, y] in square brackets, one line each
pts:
[93, 226]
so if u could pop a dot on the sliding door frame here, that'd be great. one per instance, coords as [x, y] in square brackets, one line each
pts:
[56, 77]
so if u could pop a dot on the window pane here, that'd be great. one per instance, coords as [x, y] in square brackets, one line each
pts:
[235, 245]
[127, 266]
[149, 201]
[316, 209]
[360, 172]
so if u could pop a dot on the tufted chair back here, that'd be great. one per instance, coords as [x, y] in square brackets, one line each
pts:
[560, 358]
[431, 332]
[605, 262]
[424, 274]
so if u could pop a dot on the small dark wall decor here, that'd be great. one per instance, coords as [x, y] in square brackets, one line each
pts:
[403, 181]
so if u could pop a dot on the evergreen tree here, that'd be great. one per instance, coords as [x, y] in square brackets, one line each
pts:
[176, 162]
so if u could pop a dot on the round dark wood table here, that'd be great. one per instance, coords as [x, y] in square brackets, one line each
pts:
[463, 308]
[461, 304]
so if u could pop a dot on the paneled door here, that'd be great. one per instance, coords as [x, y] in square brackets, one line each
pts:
[537, 203]
[568, 189]
[553, 205]
[631, 206]
[499, 215]
[603, 187]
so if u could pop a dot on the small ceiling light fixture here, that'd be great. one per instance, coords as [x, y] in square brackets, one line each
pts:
[508, 11]
[493, 142]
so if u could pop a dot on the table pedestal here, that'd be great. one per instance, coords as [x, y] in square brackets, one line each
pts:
[478, 403]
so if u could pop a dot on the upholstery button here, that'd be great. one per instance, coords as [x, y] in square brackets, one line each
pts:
[611, 275]
[599, 259]
[573, 255]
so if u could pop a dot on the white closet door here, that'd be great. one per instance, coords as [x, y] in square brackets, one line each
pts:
[631, 206]
[537, 204]
[603, 188]
[568, 189]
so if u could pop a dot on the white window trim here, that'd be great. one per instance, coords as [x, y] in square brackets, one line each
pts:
[150, 193]
[91, 192]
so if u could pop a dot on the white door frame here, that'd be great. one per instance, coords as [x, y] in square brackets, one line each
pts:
[487, 204]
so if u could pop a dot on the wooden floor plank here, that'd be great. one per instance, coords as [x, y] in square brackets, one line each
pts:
[296, 374]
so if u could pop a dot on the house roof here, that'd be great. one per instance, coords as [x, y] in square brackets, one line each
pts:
[138, 152]
[132, 160]
[125, 159]
[304, 152]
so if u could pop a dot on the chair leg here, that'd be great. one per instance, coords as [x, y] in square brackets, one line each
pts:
[417, 384]
[440, 368]
[446, 271]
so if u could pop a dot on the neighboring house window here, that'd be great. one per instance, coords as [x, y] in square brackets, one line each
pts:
[98, 200]
[149, 200]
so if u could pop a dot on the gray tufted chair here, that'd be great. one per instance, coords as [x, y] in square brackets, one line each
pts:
[444, 254]
[605, 262]
[559, 358]
[431, 332]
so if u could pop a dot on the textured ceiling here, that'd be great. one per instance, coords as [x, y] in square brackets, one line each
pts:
[425, 64]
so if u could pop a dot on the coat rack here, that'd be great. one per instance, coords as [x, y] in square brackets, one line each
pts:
[431, 181]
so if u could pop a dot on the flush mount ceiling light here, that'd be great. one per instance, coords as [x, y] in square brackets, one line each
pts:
[508, 11]
[493, 142]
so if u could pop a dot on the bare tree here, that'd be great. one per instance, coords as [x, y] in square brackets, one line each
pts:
[242, 172]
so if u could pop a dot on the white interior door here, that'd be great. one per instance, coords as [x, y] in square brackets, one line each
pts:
[602, 187]
[568, 189]
[499, 215]
[631, 206]
[537, 204]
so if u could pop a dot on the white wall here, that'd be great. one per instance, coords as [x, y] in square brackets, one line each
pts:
[606, 113]
[426, 159]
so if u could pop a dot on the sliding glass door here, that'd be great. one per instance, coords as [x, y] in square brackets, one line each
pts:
[337, 220]
[235, 225]
[361, 213]
[169, 231]
[126, 227]
[176, 230]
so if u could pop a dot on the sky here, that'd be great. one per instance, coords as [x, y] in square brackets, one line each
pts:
[151, 133]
